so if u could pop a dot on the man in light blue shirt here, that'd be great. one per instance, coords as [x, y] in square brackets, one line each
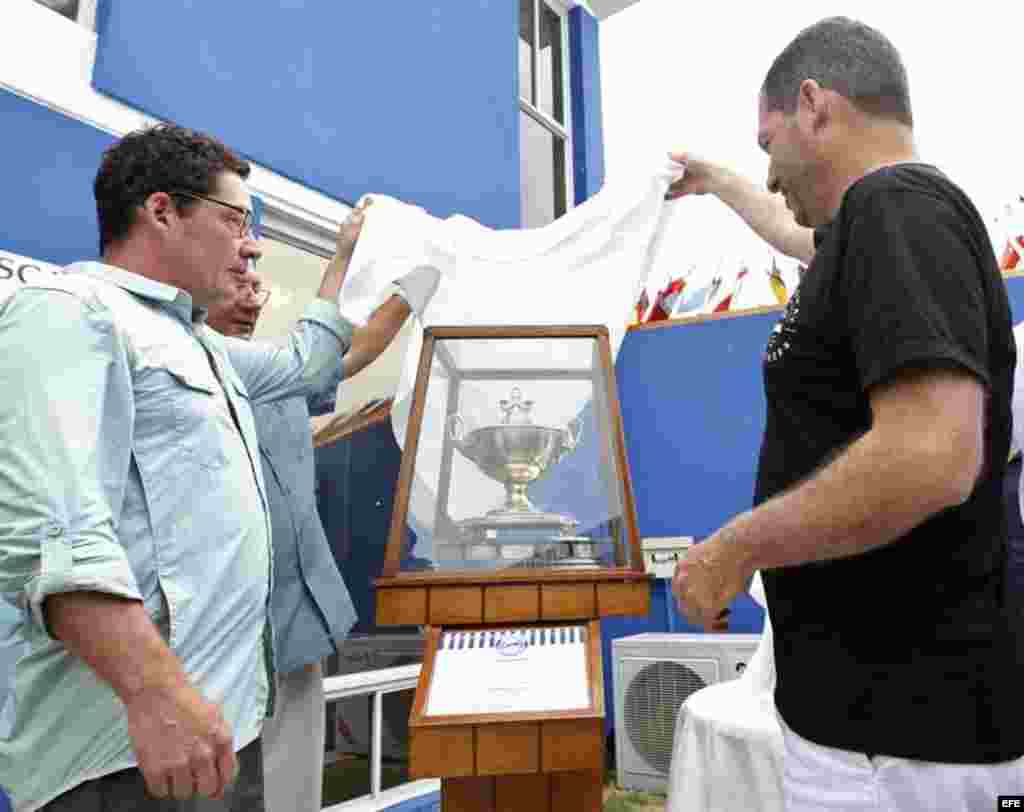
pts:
[311, 611]
[134, 530]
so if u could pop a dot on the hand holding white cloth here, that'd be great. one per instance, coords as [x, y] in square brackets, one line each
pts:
[418, 287]
[587, 267]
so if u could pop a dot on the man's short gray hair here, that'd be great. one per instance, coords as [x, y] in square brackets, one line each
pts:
[845, 56]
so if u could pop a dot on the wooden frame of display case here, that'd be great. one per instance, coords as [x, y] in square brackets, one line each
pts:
[491, 762]
[489, 745]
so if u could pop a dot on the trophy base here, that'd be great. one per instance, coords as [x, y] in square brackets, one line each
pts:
[577, 563]
[521, 539]
[526, 521]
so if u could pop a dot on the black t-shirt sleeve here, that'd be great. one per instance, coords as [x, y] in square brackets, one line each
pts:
[911, 289]
[820, 235]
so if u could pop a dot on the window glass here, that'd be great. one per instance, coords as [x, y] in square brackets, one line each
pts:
[543, 121]
[349, 732]
[293, 278]
[526, 41]
[542, 157]
[550, 91]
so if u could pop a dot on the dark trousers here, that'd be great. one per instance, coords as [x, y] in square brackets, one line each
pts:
[126, 790]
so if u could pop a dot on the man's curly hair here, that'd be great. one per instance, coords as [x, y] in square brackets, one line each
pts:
[163, 158]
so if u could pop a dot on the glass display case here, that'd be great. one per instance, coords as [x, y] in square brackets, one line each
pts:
[513, 531]
[514, 461]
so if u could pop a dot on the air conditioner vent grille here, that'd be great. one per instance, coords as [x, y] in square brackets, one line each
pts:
[652, 701]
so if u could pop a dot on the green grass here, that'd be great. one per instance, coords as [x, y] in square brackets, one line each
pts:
[349, 777]
[632, 801]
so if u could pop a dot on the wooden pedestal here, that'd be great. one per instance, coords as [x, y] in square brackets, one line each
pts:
[540, 761]
[550, 760]
[552, 792]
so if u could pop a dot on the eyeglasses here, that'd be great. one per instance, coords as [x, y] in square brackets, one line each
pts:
[257, 293]
[244, 226]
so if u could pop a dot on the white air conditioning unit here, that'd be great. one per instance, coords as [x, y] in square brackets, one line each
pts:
[652, 675]
[352, 716]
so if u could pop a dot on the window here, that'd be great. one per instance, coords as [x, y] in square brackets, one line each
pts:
[545, 162]
[293, 277]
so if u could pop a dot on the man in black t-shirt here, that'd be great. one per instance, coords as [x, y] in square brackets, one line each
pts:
[878, 522]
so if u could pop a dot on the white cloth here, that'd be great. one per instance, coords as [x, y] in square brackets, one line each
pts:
[293, 743]
[1017, 408]
[822, 779]
[727, 749]
[587, 267]
[418, 287]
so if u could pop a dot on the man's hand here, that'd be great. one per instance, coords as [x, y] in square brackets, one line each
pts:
[350, 229]
[348, 235]
[182, 743]
[701, 176]
[707, 580]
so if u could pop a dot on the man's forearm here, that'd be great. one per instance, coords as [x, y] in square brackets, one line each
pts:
[869, 496]
[116, 639]
[370, 341]
[766, 214]
[334, 275]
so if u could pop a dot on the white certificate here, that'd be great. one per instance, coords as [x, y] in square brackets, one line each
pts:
[525, 670]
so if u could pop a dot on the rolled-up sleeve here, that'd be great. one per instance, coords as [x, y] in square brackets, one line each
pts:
[307, 364]
[65, 450]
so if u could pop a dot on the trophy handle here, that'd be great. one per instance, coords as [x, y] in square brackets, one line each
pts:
[456, 429]
[573, 434]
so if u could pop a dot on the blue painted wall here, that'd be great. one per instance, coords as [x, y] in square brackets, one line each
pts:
[416, 100]
[693, 412]
[47, 168]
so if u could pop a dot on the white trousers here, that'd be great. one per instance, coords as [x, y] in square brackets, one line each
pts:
[819, 779]
[293, 743]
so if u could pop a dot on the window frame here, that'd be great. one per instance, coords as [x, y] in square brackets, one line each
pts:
[293, 226]
[561, 131]
[86, 16]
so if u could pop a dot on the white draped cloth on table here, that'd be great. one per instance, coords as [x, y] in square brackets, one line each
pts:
[587, 267]
[727, 750]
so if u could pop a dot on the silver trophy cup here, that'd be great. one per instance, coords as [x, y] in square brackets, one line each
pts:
[517, 452]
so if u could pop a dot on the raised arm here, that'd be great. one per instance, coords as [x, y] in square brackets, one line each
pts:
[325, 346]
[764, 212]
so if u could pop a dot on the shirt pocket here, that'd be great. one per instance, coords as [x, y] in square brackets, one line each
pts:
[194, 404]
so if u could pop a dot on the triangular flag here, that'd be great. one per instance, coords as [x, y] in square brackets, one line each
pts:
[666, 299]
[724, 305]
[692, 299]
[641, 306]
[1010, 258]
[1014, 248]
[778, 284]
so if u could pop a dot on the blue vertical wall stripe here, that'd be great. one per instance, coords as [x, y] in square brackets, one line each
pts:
[257, 215]
[415, 100]
[585, 78]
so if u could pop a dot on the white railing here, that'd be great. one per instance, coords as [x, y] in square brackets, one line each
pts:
[378, 682]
